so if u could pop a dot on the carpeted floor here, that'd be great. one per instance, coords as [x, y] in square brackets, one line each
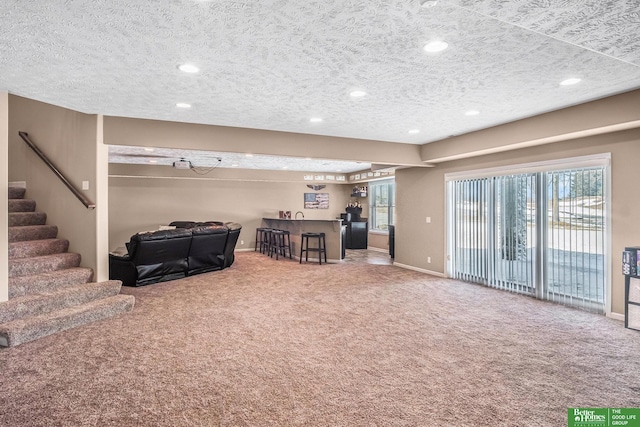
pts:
[276, 343]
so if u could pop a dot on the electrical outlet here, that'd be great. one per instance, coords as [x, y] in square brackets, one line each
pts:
[85, 185]
[428, 220]
[242, 242]
[428, 260]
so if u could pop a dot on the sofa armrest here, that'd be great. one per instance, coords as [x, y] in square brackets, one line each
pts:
[121, 268]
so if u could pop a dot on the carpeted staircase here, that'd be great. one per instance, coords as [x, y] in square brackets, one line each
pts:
[48, 290]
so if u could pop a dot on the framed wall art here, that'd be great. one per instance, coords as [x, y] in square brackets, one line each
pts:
[316, 200]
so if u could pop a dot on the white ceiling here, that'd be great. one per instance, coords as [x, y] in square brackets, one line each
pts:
[274, 64]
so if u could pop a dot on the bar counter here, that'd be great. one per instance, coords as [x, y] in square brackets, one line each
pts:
[332, 229]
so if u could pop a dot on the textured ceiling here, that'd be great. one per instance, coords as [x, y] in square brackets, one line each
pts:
[211, 159]
[274, 64]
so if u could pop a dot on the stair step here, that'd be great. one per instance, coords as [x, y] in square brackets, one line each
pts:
[22, 205]
[58, 299]
[32, 232]
[42, 264]
[49, 281]
[17, 219]
[34, 248]
[24, 330]
[17, 192]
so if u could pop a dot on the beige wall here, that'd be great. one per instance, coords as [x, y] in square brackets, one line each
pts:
[4, 179]
[68, 138]
[421, 193]
[378, 241]
[138, 203]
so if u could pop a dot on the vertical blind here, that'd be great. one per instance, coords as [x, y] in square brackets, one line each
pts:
[539, 233]
[575, 246]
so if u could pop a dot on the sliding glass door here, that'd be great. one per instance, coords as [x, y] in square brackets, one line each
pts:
[513, 254]
[494, 241]
[470, 235]
[575, 239]
[540, 233]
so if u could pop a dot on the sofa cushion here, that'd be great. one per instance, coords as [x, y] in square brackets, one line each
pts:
[160, 255]
[232, 240]
[207, 248]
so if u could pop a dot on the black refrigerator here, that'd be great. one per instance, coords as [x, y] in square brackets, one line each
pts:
[356, 236]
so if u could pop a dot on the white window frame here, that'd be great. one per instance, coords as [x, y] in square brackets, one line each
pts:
[390, 218]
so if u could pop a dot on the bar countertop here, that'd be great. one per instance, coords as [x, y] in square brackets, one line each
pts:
[331, 227]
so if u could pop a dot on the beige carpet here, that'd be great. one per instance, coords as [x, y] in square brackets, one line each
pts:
[275, 343]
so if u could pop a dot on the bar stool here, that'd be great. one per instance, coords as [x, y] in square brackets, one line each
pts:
[281, 242]
[320, 249]
[266, 241]
[259, 238]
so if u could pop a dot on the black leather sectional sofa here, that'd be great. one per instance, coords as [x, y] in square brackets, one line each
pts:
[191, 248]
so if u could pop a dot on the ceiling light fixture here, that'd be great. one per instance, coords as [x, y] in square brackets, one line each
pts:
[472, 113]
[414, 131]
[358, 93]
[183, 105]
[149, 149]
[571, 81]
[436, 46]
[248, 155]
[315, 119]
[188, 68]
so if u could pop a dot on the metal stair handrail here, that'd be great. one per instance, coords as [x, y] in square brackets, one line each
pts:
[86, 202]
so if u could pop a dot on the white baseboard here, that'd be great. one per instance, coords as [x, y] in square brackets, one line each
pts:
[616, 316]
[420, 270]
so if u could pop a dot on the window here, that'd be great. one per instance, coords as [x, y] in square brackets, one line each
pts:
[382, 204]
[539, 232]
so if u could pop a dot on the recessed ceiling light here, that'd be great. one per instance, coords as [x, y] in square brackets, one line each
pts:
[472, 113]
[234, 165]
[183, 105]
[249, 155]
[285, 167]
[436, 46]
[570, 81]
[358, 93]
[149, 149]
[315, 119]
[188, 68]
[153, 161]
[414, 131]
